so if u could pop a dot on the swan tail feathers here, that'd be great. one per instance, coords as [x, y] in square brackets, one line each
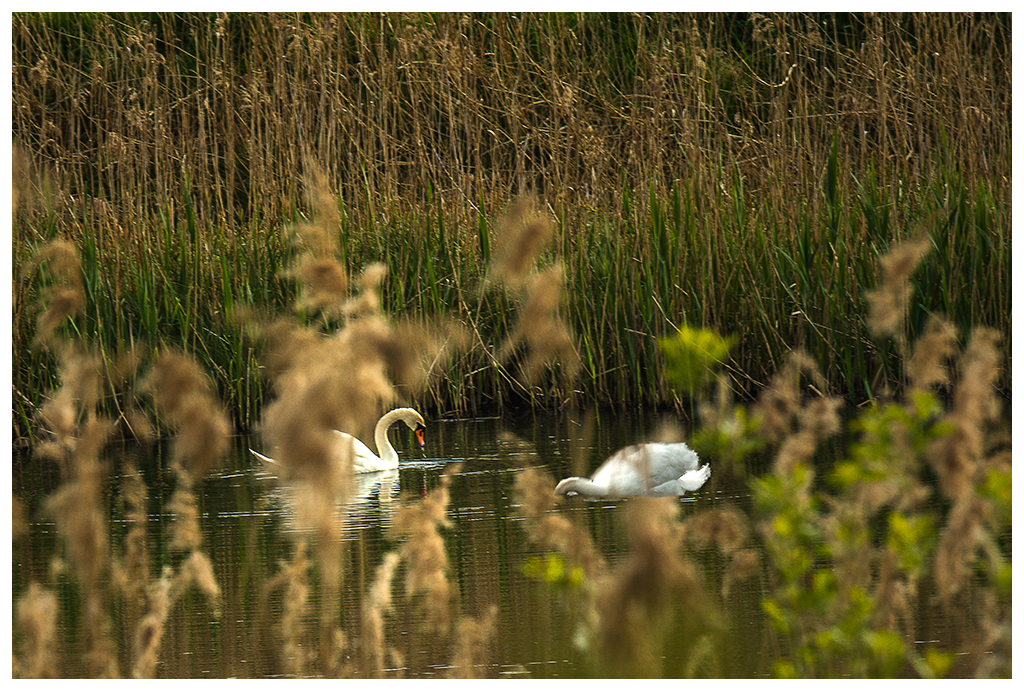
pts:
[694, 479]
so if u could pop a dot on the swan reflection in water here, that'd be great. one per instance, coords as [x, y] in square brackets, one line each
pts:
[372, 476]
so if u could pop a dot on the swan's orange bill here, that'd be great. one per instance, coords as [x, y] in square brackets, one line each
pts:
[419, 431]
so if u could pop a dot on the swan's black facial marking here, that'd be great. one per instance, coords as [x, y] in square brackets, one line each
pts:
[419, 432]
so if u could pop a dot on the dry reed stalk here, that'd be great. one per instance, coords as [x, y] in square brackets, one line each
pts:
[423, 551]
[887, 303]
[472, 639]
[376, 605]
[77, 437]
[536, 497]
[36, 616]
[66, 297]
[540, 327]
[634, 602]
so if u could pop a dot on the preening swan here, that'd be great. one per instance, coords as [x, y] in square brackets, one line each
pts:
[653, 470]
[366, 461]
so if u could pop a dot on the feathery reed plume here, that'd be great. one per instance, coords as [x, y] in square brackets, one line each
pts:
[536, 499]
[294, 577]
[183, 395]
[959, 460]
[150, 630]
[367, 301]
[954, 457]
[927, 367]
[36, 613]
[634, 602]
[75, 402]
[322, 384]
[472, 638]
[323, 279]
[376, 605]
[423, 551]
[887, 304]
[522, 233]
[66, 297]
[964, 534]
[779, 404]
[542, 329]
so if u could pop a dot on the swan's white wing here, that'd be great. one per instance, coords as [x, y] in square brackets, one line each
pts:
[621, 474]
[640, 468]
[668, 461]
[363, 459]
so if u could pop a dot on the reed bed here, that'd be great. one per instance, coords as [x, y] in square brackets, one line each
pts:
[762, 163]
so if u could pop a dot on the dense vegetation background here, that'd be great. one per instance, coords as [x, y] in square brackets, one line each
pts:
[742, 172]
[322, 214]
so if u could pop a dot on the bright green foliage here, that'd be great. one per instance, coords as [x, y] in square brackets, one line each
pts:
[888, 436]
[552, 570]
[692, 356]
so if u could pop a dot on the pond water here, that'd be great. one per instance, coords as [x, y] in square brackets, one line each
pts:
[248, 535]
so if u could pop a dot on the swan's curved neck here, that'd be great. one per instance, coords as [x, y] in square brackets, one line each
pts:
[385, 451]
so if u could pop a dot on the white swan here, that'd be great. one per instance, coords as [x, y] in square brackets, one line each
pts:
[654, 470]
[363, 459]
